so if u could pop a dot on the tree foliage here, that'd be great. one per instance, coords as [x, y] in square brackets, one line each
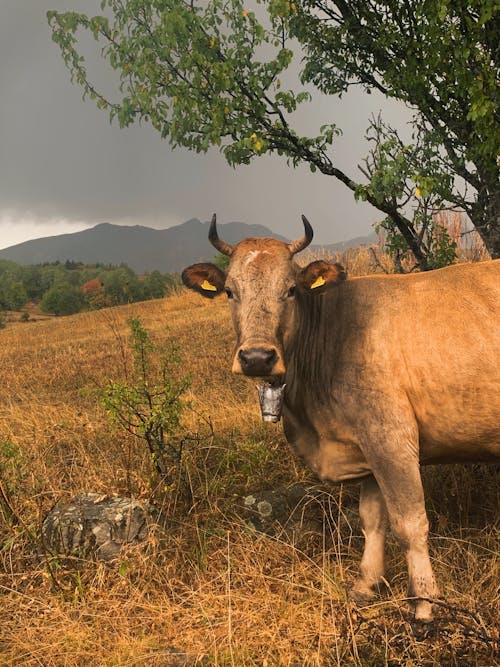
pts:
[62, 300]
[61, 288]
[12, 293]
[209, 74]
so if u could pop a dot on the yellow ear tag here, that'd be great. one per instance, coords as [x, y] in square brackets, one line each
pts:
[318, 282]
[208, 286]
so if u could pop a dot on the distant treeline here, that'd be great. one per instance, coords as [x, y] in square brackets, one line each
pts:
[64, 288]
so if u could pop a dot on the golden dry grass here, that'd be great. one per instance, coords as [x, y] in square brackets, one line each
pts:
[205, 589]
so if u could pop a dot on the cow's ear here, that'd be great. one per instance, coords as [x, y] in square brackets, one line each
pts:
[320, 275]
[207, 279]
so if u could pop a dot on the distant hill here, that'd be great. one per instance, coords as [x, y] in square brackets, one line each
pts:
[352, 243]
[141, 248]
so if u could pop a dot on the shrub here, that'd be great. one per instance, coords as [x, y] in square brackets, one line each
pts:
[12, 293]
[148, 403]
[63, 300]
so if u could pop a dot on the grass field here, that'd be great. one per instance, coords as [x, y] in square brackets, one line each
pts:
[205, 589]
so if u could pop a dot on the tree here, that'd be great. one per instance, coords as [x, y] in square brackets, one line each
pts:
[209, 74]
[12, 293]
[52, 275]
[63, 300]
[155, 285]
[121, 286]
[32, 281]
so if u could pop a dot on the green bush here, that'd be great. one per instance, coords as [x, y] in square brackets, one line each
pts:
[63, 300]
[147, 403]
[12, 293]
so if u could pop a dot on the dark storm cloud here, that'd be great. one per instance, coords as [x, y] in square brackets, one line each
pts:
[60, 159]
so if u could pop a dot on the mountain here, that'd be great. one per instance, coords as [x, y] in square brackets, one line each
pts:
[352, 243]
[142, 248]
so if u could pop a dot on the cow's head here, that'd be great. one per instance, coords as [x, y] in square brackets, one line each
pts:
[262, 284]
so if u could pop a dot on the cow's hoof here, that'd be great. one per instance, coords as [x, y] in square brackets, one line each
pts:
[361, 594]
[423, 611]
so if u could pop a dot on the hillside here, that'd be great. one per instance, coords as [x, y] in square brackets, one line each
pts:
[143, 248]
[207, 590]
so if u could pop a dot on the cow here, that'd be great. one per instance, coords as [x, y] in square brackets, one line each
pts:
[383, 373]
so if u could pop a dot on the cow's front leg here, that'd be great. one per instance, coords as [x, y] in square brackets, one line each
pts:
[401, 487]
[373, 515]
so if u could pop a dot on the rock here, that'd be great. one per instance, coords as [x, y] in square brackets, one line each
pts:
[292, 510]
[92, 525]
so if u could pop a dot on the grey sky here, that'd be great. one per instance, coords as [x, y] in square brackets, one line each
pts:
[64, 167]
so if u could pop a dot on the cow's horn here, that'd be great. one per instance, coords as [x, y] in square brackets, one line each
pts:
[218, 243]
[299, 244]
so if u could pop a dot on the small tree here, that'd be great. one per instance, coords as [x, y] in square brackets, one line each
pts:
[32, 281]
[155, 285]
[209, 74]
[63, 300]
[12, 293]
[117, 285]
[148, 403]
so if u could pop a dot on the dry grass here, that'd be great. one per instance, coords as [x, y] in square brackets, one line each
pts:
[205, 589]
[364, 260]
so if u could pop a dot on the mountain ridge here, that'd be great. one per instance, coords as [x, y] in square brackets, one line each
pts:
[142, 248]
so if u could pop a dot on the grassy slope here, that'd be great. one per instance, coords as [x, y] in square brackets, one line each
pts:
[208, 586]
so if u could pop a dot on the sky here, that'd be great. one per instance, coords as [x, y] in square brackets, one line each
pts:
[64, 167]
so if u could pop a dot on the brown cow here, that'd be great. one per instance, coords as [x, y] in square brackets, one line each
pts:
[382, 373]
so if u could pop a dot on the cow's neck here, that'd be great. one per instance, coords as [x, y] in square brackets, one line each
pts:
[308, 349]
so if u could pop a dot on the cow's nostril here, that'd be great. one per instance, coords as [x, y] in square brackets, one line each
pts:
[270, 356]
[242, 355]
[257, 360]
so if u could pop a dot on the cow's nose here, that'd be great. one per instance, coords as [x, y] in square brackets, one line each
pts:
[257, 360]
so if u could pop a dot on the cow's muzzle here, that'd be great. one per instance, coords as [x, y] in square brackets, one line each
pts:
[258, 361]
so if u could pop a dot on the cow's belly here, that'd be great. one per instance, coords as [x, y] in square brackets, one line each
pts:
[452, 427]
[459, 427]
[454, 393]
[459, 446]
[336, 459]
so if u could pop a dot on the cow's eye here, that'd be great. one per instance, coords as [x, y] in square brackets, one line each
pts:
[228, 292]
[291, 291]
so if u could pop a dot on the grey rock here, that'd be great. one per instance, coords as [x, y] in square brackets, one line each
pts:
[92, 525]
[284, 510]
[302, 513]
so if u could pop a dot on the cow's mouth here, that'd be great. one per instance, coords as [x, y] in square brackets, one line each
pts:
[258, 361]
